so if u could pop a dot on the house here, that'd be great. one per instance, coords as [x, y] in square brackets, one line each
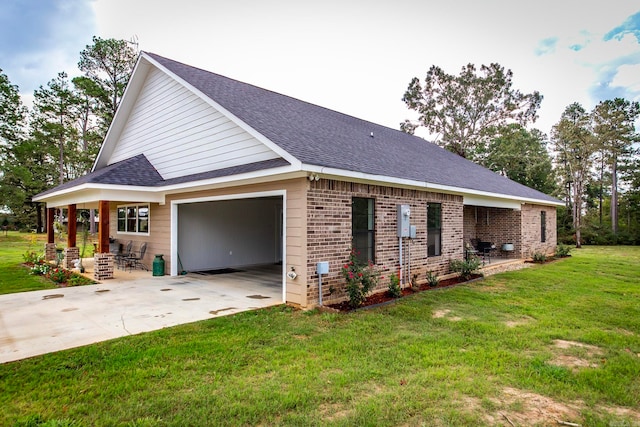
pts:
[215, 173]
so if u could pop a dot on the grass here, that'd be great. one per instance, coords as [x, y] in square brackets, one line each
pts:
[13, 276]
[395, 365]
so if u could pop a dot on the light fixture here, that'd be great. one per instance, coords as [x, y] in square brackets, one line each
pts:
[314, 177]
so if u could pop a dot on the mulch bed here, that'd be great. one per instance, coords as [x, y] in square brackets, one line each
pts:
[384, 297]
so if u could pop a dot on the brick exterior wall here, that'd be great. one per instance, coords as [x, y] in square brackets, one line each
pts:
[531, 229]
[329, 233]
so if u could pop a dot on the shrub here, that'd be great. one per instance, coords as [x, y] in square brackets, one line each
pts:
[465, 267]
[59, 275]
[361, 279]
[432, 279]
[40, 269]
[563, 250]
[414, 283]
[31, 257]
[394, 286]
[79, 280]
[539, 257]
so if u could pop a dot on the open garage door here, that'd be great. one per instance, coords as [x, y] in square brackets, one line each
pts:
[240, 234]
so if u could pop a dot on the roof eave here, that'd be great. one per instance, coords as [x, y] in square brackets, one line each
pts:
[470, 194]
[91, 192]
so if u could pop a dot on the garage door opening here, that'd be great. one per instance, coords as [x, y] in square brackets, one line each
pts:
[241, 235]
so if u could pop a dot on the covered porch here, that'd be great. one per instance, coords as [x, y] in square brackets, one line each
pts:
[104, 262]
[494, 233]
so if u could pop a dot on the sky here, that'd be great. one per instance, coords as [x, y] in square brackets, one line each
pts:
[353, 56]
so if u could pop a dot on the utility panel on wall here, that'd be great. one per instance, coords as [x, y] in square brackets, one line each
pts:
[404, 213]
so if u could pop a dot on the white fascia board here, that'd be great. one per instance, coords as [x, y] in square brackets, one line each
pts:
[244, 126]
[409, 183]
[131, 92]
[91, 192]
[267, 175]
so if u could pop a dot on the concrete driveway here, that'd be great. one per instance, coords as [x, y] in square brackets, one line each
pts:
[39, 322]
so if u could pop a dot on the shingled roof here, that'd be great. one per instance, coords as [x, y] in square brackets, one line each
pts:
[138, 171]
[319, 136]
[316, 137]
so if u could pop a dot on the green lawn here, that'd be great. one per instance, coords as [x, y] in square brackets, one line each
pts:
[553, 342]
[13, 276]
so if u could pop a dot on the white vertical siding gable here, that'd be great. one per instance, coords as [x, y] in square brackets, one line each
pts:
[181, 134]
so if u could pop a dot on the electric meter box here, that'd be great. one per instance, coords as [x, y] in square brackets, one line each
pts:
[322, 267]
[404, 228]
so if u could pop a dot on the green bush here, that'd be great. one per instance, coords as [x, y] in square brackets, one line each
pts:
[361, 279]
[40, 269]
[465, 267]
[432, 279]
[59, 275]
[32, 257]
[563, 250]
[539, 257]
[394, 286]
[79, 280]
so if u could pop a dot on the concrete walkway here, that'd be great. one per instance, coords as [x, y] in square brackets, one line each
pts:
[39, 322]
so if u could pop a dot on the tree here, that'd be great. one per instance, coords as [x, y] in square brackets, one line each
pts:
[464, 111]
[574, 145]
[108, 64]
[12, 117]
[521, 155]
[12, 112]
[53, 123]
[90, 136]
[630, 202]
[615, 132]
[27, 171]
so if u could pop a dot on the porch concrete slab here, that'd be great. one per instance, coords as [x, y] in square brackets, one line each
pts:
[39, 322]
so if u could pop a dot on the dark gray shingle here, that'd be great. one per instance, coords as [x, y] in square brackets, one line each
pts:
[323, 137]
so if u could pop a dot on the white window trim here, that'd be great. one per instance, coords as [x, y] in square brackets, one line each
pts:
[134, 233]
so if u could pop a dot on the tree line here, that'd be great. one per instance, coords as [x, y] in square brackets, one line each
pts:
[58, 138]
[591, 160]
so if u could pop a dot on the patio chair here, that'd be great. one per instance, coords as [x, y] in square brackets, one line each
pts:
[134, 260]
[484, 249]
[123, 253]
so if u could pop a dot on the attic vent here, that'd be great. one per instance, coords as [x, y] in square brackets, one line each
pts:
[371, 134]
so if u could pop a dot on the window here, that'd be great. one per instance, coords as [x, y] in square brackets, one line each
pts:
[133, 219]
[434, 229]
[543, 226]
[363, 228]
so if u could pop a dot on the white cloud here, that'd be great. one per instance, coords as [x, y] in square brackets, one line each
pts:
[357, 56]
[41, 39]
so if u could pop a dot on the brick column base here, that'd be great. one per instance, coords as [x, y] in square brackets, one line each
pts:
[50, 251]
[70, 255]
[103, 266]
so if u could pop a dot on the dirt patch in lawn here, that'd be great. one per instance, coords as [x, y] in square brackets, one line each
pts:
[525, 408]
[524, 320]
[520, 408]
[334, 411]
[575, 355]
[440, 314]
